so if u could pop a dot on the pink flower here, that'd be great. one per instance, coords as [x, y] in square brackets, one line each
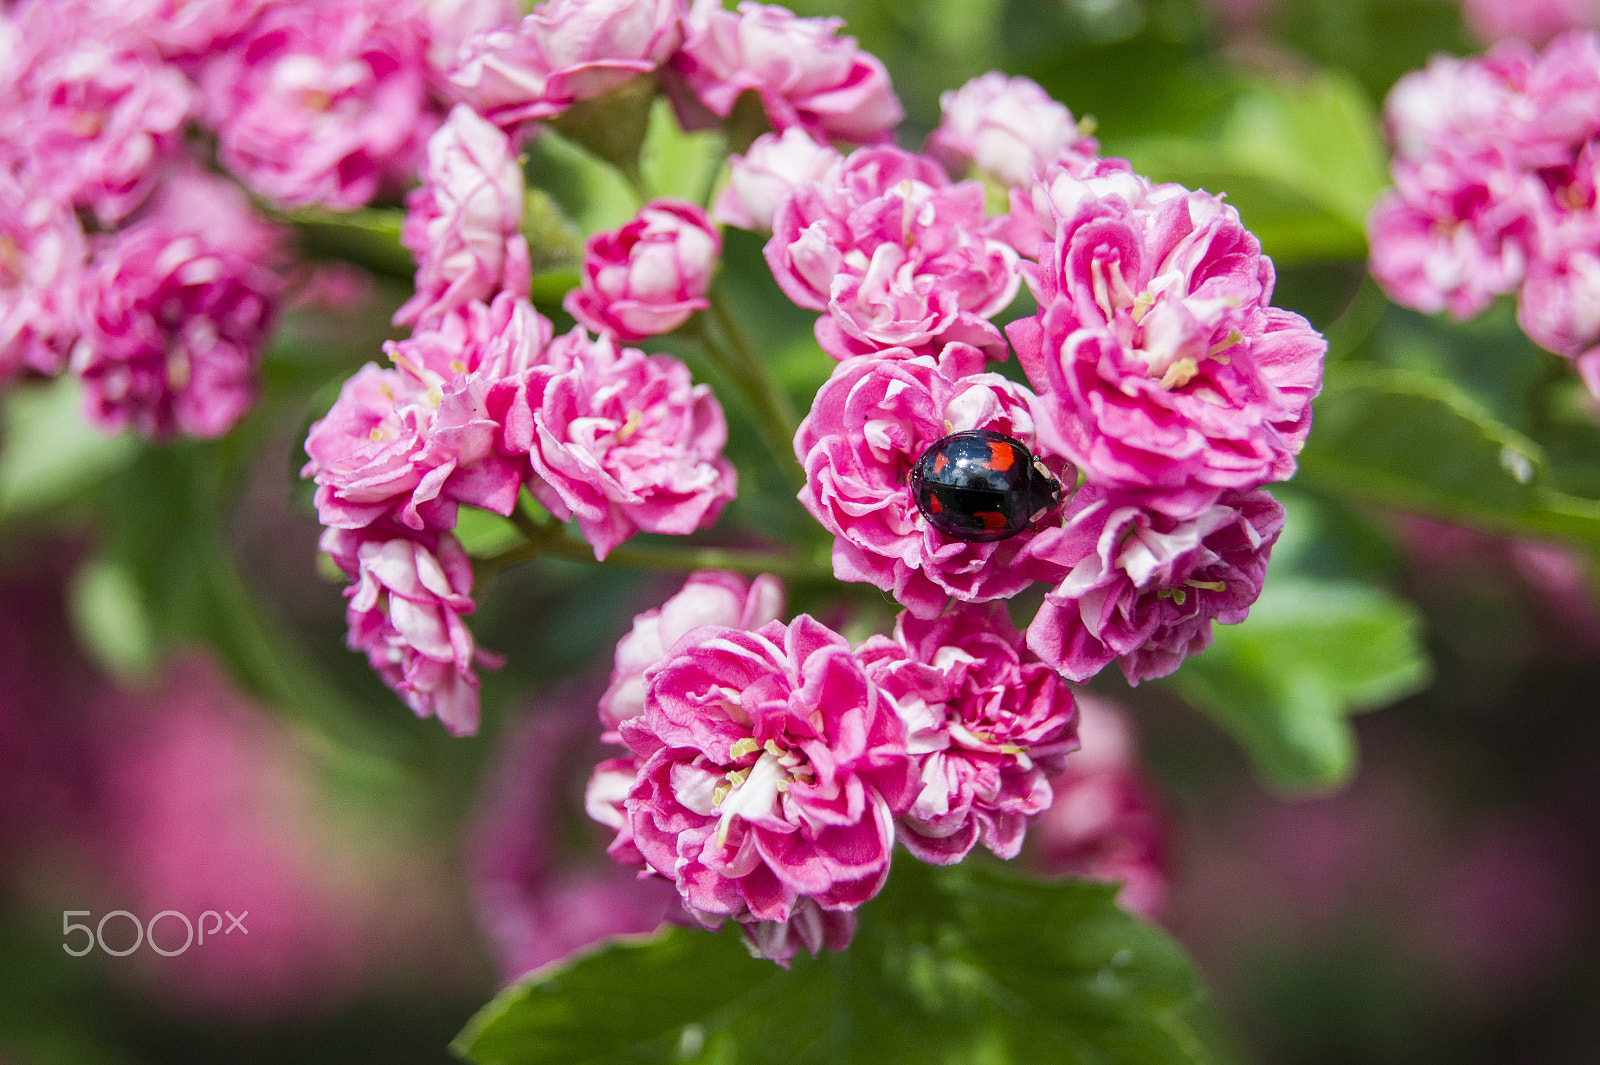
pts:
[986, 721]
[410, 592]
[1143, 588]
[1532, 108]
[1105, 823]
[1009, 128]
[894, 252]
[463, 224]
[1535, 21]
[323, 104]
[809, 927]
[1163, 370]
[450, 22]
[565, 51]
[184, 29]
[42, 253]
[1031, 220]
[94, 117]
[708, 597]
[767, 173]
[605, 800]
[770, 771]
[176, 311]
[417, 440]
[538, 898]
[649, 276]
[620, 441]
[804, 73]
[1456, 233]
[1462, 105]
[869, 425]
[1558, 305]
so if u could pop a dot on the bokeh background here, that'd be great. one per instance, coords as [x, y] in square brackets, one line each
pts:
[181, 727]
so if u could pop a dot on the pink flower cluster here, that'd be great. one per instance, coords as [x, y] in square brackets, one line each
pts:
[567, 51]
[1163, 379]
[122, 258]
[771, 767]
[1495, 178]
[478, 403]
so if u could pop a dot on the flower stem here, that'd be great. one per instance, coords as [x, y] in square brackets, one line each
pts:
[730, 349]
[549, 540]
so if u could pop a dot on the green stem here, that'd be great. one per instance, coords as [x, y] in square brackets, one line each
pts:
[729, 347]
[549, 541]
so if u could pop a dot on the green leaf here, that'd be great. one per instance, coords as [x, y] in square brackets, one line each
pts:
[949, 965]
[1301, 160]
[51, 455]
[676, 163]
[111, 619]
[1311, 653]
[483, 533]
[1416, 442]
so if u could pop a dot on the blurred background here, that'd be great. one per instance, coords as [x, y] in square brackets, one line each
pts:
[181, 728]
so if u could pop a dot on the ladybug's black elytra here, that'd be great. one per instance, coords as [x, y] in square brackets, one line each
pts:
[981, 486]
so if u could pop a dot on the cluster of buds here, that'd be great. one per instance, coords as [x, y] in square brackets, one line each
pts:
[1495, 177]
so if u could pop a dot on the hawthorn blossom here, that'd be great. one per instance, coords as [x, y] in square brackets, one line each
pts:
[42, 254]
[649, 276]
[415, 440]
[986, 721]
[323, 104]
[463, 224]
[1455, 235]
[409, 593]
[1163, 369]
[868, 426]
[177, 309]
[894, 253]
[619, 441]
[1008, 128]
[92, 118]
[771, 169]
[448, 25]
[1142, 588]
[564, 52]
[708, 597]
[803, 72]
[1495, 176]
[770, 773]
[809, 927]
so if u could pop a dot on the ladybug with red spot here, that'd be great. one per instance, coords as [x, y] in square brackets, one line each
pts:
[981, 486]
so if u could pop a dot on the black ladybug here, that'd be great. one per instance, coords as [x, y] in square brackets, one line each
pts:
[981, 486]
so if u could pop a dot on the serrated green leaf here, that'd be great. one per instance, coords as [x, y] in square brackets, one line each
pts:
[960, 965]
[1416, 442]
[1311, 653]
